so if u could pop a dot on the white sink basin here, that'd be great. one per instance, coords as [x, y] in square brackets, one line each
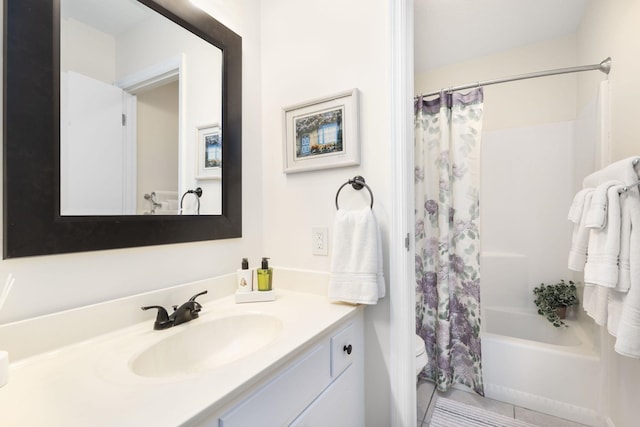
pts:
[202, 346]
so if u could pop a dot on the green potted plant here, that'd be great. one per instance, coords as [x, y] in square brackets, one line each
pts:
[552, 300]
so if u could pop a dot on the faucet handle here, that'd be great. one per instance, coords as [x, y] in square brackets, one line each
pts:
[193, 298]
[162, 318]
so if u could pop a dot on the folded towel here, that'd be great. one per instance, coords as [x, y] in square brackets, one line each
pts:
[597, 214]
[165, 195]
[356, 263]
[575, 211]
[168, 207]
[601, 267]
[580, 239]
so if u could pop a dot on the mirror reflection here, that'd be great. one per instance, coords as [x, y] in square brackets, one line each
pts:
[140, 113]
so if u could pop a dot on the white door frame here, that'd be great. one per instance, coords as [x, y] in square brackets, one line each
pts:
[156, 75]
[402, 289]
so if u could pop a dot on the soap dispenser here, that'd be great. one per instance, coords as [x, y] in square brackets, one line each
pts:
[265, 276]
[245, 277]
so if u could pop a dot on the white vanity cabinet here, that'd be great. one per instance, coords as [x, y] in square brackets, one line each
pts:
[323, 386]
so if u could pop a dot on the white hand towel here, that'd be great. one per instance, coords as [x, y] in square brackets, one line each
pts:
[575, 210]
[356, 263]
[580, 239]
[597, 214]
[601, 267]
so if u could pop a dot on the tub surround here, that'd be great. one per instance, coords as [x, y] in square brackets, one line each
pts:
[561, 365]
[73, 367]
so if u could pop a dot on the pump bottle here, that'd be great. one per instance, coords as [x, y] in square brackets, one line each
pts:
[245, 278]
[265, 276]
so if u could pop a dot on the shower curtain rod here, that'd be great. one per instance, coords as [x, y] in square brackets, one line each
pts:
[604, 66]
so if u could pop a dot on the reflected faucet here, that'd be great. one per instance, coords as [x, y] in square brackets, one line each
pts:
[185, 313]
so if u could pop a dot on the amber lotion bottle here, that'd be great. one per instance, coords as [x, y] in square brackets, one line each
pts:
[265, 276]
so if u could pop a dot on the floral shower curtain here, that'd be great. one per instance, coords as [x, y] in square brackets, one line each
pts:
[447, 178]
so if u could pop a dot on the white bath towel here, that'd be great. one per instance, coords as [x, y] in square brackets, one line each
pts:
[595, 301]
[356, 263]
[575, 210]
[628, 336]
[622, 170]
[624, 258]
[614, 310]
[580, 239]
[601, 267]
[597, 214]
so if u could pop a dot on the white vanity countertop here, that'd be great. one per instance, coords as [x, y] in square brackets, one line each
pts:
[90, 383]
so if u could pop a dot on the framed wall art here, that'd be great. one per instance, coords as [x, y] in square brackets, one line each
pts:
[322, 133]
[209, 152]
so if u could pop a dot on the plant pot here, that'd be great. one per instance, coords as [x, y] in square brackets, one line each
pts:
[562, 311]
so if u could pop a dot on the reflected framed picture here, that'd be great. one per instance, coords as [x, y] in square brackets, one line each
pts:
[209, 152]
[322, 134]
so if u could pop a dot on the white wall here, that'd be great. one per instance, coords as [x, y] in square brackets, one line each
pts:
[47, 284]
[518, 103]
[525, 192]
[311, 50]
[87, 51]
[610, 28]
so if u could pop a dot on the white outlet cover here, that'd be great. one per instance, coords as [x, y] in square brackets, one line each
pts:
[320, 241]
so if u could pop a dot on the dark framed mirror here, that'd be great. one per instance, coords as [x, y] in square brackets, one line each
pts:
[33, 224]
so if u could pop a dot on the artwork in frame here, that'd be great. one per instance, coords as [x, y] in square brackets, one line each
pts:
[209, 152]
[322, 133]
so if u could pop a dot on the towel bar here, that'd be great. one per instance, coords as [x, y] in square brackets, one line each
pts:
[628, 187]
[635, 184]
[358, 183]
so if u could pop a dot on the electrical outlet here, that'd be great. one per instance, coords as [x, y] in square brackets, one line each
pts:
[320, 241]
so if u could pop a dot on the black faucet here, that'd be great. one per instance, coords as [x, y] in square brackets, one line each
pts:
[186, 312]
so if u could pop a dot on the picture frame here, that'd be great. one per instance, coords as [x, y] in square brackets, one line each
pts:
[209, 152]
[322, 133]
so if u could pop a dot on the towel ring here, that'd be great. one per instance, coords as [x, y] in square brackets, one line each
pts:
[357, 183]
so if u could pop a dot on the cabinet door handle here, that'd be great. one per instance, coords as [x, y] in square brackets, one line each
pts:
[347, 348]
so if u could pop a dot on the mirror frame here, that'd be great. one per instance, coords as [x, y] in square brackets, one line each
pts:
[31, 150]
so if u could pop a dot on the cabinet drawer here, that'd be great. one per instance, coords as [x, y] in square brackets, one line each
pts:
[343, 350]
[288, 393]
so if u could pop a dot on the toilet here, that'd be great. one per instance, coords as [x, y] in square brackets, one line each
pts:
[421, 354]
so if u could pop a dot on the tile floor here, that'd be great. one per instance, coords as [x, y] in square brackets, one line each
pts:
[427, 396]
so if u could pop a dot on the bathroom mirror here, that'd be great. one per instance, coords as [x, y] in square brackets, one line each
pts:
[33, 224]
[128, 77]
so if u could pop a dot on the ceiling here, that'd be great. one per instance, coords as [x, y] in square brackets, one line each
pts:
[111, 17]
[450, 31]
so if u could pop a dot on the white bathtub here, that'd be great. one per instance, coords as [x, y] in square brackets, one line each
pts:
[529, 363]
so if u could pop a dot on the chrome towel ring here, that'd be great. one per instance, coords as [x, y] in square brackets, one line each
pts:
[358, 183]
